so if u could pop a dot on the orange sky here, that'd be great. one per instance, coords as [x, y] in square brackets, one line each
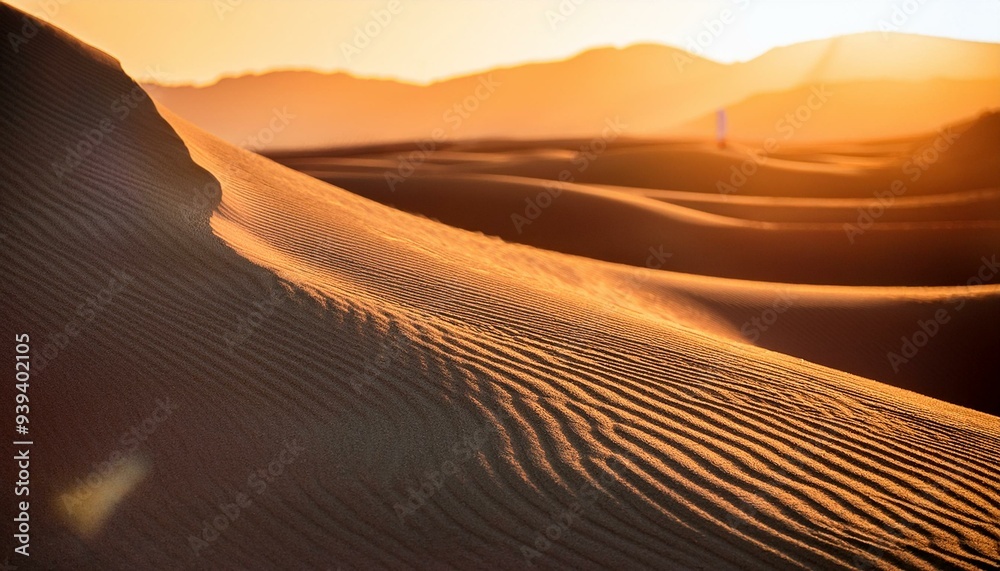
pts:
[184, 41]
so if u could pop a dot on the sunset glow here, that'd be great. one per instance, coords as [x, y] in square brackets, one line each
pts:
[512, 284]
[185, 41]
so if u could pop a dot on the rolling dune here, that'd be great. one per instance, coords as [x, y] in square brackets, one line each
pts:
[935, 233]
[348, 385]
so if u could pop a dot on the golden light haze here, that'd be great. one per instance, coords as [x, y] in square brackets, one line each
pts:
[197, 41]
[562, 337]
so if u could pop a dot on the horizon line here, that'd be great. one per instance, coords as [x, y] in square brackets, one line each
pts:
[444, 79]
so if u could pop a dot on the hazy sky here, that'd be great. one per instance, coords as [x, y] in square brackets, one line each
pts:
[198, 40]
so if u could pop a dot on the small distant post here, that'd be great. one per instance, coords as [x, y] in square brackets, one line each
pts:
[720, 127]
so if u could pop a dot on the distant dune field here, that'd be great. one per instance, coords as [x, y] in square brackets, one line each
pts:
[349, 385]
[812, 227]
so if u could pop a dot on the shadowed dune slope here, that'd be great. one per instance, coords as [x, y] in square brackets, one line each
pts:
[368, 353]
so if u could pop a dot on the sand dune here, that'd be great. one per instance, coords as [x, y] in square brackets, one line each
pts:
[934, 234]
[302, 363]
[780, 209]
[876, 92]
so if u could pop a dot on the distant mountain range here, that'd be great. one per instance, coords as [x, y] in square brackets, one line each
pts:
[874, 85]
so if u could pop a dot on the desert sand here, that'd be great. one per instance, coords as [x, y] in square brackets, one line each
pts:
[347, 384]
